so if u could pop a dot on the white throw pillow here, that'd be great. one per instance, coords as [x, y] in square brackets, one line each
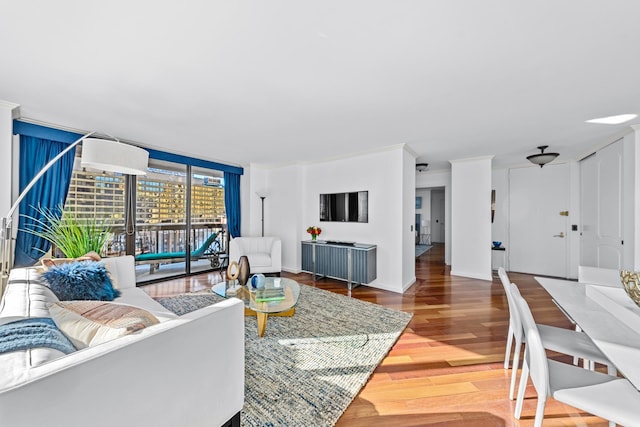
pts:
[89, 323]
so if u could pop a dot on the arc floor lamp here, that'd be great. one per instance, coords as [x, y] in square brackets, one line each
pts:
[97, 153]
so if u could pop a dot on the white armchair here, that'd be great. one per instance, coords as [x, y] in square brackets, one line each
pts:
[264, 253]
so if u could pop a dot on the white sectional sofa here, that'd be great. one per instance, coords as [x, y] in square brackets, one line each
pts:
[183, 371]
[264, 253]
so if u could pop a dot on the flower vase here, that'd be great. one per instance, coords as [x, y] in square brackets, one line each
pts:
[243, 270]
[314, 237]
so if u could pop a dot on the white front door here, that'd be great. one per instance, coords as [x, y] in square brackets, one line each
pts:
[601, 208]
[538, 222]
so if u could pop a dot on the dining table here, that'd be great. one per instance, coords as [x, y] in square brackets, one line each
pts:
[607, 315]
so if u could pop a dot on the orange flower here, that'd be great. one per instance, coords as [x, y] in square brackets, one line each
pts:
[313, 230]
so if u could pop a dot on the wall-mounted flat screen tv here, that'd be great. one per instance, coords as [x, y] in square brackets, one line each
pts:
[345, 207]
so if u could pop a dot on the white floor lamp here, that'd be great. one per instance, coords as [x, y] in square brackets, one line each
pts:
[101, 154]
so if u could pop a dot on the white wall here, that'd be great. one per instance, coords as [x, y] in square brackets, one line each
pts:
[8, 111]
[245, 206]
[631, 199]
[409, 219]
[293, 205]
[500, 225]
[284, 213]
[573, 244]
[470, 218]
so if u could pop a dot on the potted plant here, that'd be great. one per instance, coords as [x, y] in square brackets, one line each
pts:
[314, 231]
[74, 237]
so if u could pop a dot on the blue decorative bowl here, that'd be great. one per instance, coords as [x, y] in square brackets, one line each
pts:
[496, 244]
[258, 281]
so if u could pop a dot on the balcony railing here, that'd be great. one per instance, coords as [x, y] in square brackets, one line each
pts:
[166, 238]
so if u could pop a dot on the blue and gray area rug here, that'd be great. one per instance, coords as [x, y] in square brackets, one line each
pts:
[308, 368]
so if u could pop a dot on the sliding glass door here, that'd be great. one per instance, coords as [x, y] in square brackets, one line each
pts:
[161, 240]
[172, 220]
[208, 220]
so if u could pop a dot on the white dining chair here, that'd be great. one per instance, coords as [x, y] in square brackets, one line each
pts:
[614, 399]
[561, 340]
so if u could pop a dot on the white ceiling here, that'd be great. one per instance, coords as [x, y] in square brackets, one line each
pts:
[288, 80]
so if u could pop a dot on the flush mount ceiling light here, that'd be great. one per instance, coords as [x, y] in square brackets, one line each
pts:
[421, 167]
[614, 120]
[542, 158]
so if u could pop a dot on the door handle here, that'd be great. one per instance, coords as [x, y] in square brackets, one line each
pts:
[561, 235]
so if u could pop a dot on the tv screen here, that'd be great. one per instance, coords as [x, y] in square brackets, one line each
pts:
[345, 207]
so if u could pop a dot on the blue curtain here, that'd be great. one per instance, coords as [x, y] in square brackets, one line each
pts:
[232, 202]
[49, 192]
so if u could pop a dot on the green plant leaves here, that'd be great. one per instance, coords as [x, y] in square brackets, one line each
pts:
[71, 235]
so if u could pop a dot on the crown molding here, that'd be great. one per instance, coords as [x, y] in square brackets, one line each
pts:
[472, 159]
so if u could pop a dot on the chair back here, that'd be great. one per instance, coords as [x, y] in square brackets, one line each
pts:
[514, 318]
[203, 248]
[535, 354]
[599, 276]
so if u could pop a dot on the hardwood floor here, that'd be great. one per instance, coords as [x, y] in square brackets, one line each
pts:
[446, 368]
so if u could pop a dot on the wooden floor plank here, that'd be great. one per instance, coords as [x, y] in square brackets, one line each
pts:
[446, 368]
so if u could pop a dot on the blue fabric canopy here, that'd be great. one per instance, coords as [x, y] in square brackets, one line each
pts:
[49, 192]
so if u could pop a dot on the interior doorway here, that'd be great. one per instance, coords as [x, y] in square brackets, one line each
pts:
[430, 215]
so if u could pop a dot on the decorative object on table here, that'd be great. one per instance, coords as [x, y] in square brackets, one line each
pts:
[329, 333]
[101, 154]
[244, 270]
[232, 287]
[314, 231]
[74, 237]
[258, 281]
[232, 270]
[269, 294]
[631, 284]
[496, 244]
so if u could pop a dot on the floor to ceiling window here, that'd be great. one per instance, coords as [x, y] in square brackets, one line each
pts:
[100, 195]
[208, 220]
[173, 219]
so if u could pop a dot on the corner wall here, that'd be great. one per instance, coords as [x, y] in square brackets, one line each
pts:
[471, 218]
[8, 111]
[440, 179]
[293, 205]
[408, 231]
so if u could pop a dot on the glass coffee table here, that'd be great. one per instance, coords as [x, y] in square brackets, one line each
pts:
[278, 298]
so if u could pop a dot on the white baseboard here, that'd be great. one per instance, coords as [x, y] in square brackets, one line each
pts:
[472, 275]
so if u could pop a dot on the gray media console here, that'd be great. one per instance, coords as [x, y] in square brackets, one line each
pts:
[353, 262]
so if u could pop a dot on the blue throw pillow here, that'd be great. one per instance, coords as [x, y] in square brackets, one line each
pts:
[81, 280]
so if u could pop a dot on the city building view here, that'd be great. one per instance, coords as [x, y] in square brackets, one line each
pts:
[162, 214]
